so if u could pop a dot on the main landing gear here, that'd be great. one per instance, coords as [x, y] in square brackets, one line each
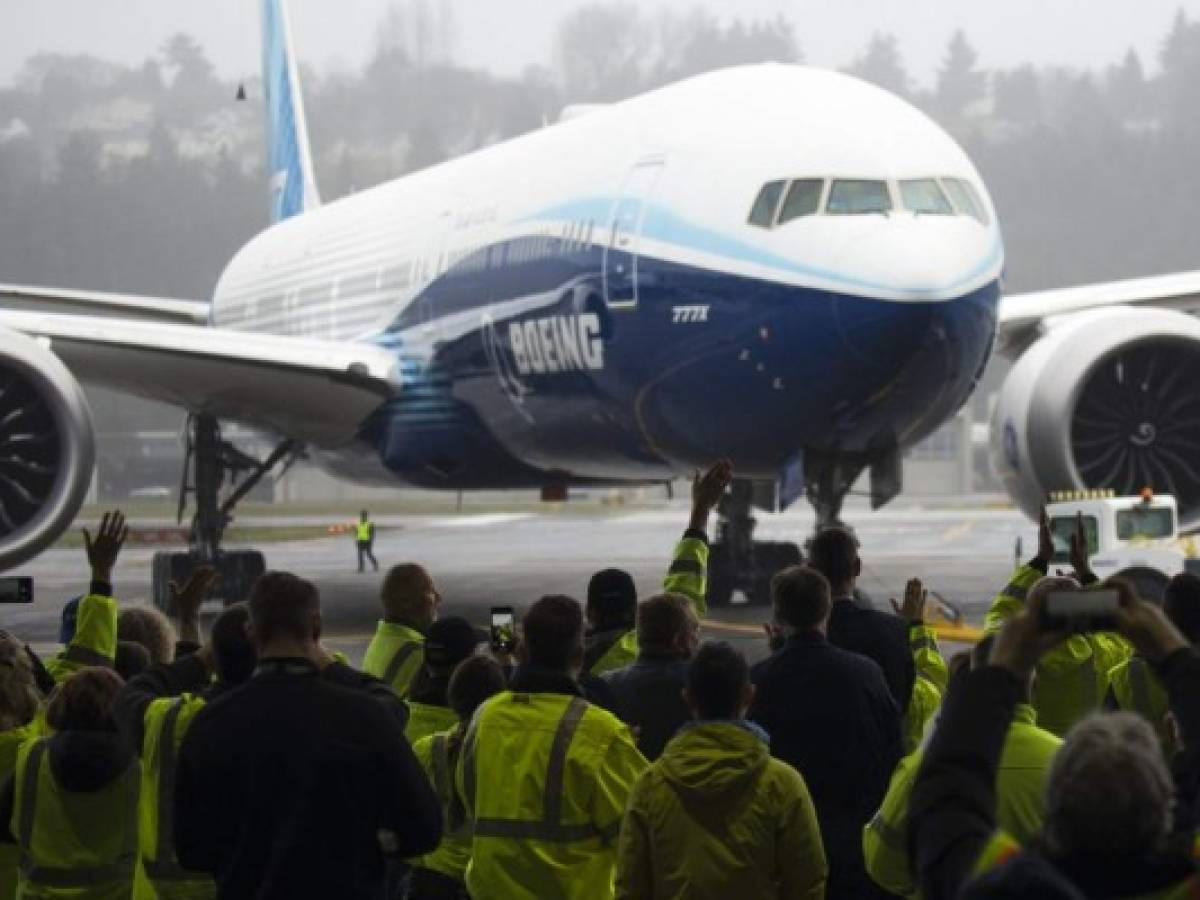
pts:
[208, 462]
[737, 562]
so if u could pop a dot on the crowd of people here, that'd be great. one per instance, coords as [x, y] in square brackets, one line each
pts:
[611, 753]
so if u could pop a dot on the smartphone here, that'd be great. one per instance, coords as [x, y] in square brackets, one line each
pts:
[1080, 611]
[16, 589]
[503, 632]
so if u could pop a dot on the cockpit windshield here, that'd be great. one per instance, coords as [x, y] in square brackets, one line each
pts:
[856, 197]
[779, 202]
[924, 197]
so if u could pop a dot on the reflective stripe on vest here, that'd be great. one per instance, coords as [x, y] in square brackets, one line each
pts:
[165, 867]
[550, 827]
[398, 661]
[890, 836]
[924, 642]
[77, 876]
[686, 566]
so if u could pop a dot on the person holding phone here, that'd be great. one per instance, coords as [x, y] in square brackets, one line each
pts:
[1072, 679]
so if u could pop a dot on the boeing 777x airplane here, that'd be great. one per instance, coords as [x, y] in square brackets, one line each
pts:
[776, 264]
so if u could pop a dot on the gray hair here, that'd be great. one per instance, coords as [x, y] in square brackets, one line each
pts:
[1108, 789]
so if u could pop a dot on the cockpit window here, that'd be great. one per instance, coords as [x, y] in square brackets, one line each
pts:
[762, 213]
[803, 199]
[965, 199]
[924, 197]
[853, 197]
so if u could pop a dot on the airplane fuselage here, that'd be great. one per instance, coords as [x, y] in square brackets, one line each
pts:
[624, 295]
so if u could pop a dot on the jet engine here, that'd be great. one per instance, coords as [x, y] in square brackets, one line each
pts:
[1104, 399]
[47, 447]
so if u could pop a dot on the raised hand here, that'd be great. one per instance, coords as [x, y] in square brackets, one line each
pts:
[186, 601]
[1146, 625]
[915, 600]
[707, 490]
[1045, 539]
[1024, 639]
[103, 550]
[1079, 551]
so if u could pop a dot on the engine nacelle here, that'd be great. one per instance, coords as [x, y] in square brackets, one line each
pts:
[1106, 399]
[47, 448]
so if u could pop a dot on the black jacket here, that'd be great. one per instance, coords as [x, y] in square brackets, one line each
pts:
[952, 810]
[285, 783]
[880, 636]
[648, 695]
[830, 716]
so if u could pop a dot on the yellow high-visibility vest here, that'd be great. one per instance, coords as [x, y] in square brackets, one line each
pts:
[545, 777]
[73, 844]
[363, 532]
[395, 655]
[159, 875]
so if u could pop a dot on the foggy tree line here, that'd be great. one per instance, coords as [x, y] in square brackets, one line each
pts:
[147, 178]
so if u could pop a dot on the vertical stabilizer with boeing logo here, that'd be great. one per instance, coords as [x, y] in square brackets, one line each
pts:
[293, 186]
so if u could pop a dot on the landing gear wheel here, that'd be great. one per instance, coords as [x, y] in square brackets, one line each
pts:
[237, 571]
[720, 577]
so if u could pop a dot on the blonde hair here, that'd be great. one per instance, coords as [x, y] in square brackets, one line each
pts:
[147, 626]
[19, 695]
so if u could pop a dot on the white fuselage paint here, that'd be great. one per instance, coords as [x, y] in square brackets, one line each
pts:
[346, 270]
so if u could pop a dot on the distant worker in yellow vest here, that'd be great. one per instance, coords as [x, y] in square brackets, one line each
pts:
[364, 539]
[72, 804]
[410, 603]
[545, 775]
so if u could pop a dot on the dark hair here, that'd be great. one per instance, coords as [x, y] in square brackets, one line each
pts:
[716, 679]
[403, 589]
[553, 631]
[283, 604]
[448, 642]
[84, 702]
[1181, 603]
[474, 680]
[801, 597]
[661, 619]
[233, 654]
[612, 598]
[834, 553]
[131, 659]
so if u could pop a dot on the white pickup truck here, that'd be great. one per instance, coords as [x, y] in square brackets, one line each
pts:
[1135, 537]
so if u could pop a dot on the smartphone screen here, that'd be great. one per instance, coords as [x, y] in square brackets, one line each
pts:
[503, 633]
[16, 589]
[1082, 610]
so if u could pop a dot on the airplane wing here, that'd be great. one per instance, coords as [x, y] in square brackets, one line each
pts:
[304, 388]
[1022, 315]
[129, 306]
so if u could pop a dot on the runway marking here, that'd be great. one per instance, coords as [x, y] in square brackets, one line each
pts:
[480, 521]
[955, 532]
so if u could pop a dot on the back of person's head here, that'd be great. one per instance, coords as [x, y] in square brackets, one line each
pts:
[284, 606]
[1181, 603]
[666, 623]
[834, 553]
[84, 702]
[553, 633]
[1108, 791]
[611, 599]
[409, 595]
[801, 597]
[147, 626]
[131, 659]
[233, 655]
[473, 681]
[448, 642]
[718, 682]
[19, 696]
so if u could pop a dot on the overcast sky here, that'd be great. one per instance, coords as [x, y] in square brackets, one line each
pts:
[507, 35]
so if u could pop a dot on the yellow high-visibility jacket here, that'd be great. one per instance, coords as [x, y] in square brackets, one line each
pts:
[1020, 807]
[545, 777]
[1072, 679]
[95, 639]
[454, 852]
[159, 875]
[73, 844]
[425, 719]
[10, 743]
[688, 573]
[1137, 689]
[717, 817]
[395, 655]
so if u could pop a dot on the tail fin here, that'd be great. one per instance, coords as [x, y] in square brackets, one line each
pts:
[293, 187]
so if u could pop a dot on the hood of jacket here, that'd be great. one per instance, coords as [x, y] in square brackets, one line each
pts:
[714, 761]
[86, 761]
